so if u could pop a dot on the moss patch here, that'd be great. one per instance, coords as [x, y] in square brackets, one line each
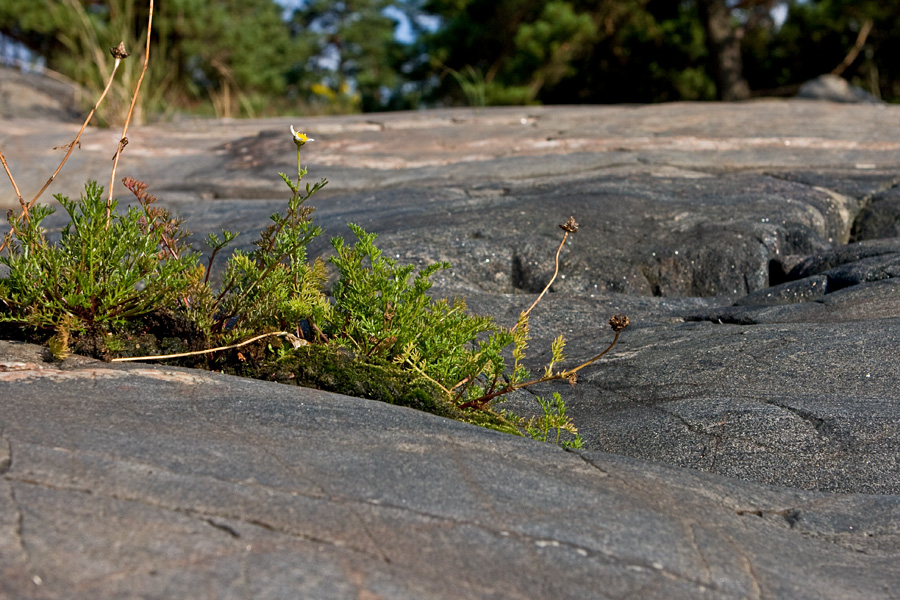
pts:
[157, 333]
[338, 370]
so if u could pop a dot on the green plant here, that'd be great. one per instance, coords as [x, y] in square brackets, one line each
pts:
[110, 268]
[101, 273]
[383, 315]
[554, 420]
[473, 84]
[273, 287]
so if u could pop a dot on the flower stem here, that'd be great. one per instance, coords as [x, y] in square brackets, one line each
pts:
[124, 139]
[75, 142]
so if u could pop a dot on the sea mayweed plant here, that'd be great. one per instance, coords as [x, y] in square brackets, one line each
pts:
[272, 288]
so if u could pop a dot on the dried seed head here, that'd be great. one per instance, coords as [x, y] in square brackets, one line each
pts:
[619, 322]
[119, 51]
[570, 225]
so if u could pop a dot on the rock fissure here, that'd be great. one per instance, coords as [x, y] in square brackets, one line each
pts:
[161, 505]
[223, 527]
[19, 528]
[368, 532]
[5, 454]
[757, 592]
[213, 518]
[794, 519]
[790, 516]
[542, 542]
[588, 461]
[891, 184]
[49, 486]
[691, 534]
[820, 425]
[696, 428]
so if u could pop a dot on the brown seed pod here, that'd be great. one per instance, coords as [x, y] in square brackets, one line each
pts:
[619, 322]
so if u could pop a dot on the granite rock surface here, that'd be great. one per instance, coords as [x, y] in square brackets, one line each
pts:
[753, 246]
[158, 482]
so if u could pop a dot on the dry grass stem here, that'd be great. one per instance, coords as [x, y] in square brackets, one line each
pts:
[864, 32]
[570, 372]
[568, 227]
[15, 187]
[199, 352]
[123, 141]
[75, 142]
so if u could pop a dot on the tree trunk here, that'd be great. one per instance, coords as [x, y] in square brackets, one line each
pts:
[724, 46]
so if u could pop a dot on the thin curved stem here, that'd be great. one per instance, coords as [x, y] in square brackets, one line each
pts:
[77, 137]
[546, 287]
[15, 187]
[123, 141]
[569, 372]
[198, 352]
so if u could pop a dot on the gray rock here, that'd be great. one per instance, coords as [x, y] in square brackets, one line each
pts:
[879, 218]
[862, 181]
[834, 88]
[153, 482]
[876, 300]
[807, 289]
[791, 402]
[874, 268]
[667, 236]
[842, 256]
[38, 96]
[157, 482]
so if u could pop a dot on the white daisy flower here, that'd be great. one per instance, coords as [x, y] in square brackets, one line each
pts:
[300, 138]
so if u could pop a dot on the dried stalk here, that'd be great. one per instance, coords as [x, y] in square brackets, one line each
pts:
[75, 142]
[570, 226]
[856, 49]
[123, 141]
[16, 188]
[199, 352]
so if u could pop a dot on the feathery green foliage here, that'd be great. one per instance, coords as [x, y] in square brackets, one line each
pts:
[381, 314]
[273, 287]
[101, 273]
[554, 420]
